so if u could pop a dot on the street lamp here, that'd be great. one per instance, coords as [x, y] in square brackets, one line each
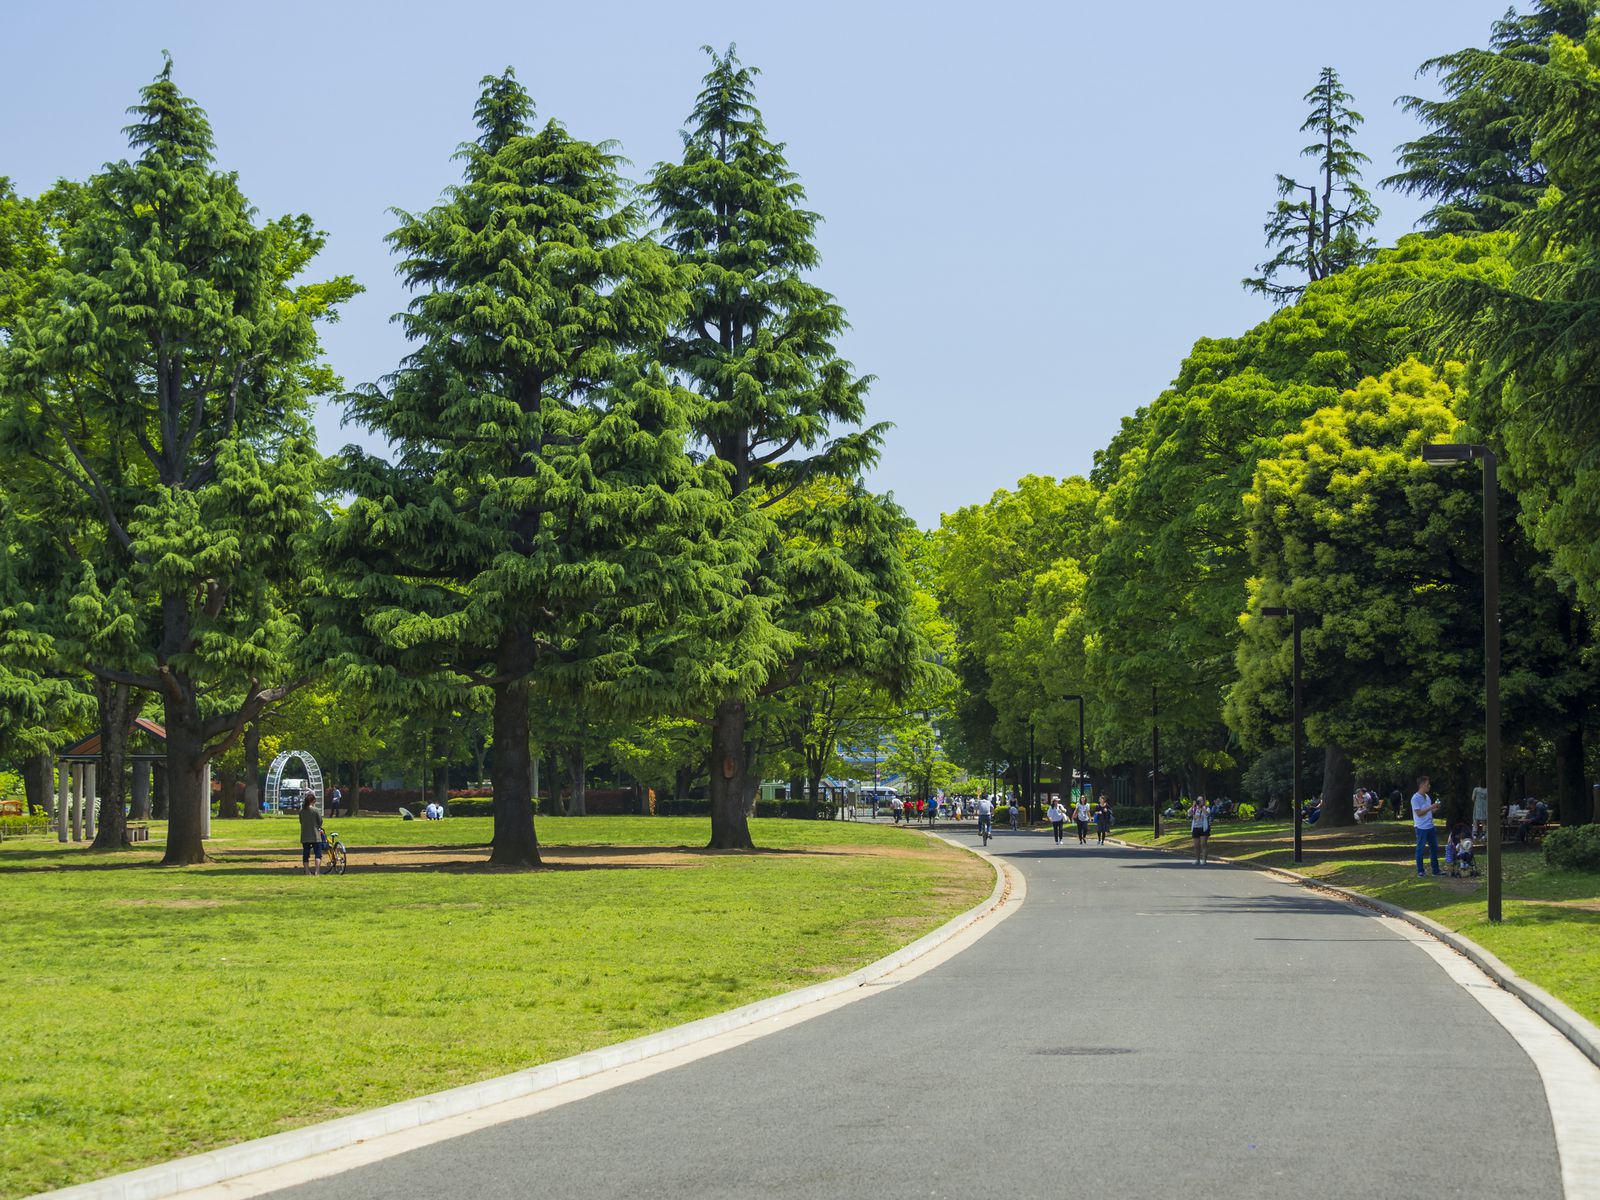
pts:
[1445, 454]
[1299, 726]
[1083, 759]
[1155, 761]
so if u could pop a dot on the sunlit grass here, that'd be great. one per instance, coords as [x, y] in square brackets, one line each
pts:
[156, 1012]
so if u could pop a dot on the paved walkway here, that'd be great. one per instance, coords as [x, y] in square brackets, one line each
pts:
[1139, 1028]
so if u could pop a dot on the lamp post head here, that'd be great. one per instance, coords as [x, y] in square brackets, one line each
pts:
[1274, 610]
[1072, 697]
[1443, 454]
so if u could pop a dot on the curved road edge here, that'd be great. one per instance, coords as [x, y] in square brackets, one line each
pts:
[459, 1109]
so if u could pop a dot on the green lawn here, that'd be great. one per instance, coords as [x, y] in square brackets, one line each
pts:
[1551, 928]
[152, 1013]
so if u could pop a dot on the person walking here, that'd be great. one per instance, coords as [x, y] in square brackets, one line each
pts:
[335, 799]
[1080, 815]
[1423, 806]
[897, 807]
[311, 835]
[1200, 828]
[1102, 821]
[1057, 816]
[1016, 814]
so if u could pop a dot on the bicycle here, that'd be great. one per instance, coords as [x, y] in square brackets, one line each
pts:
[333, 846]
[985, 826]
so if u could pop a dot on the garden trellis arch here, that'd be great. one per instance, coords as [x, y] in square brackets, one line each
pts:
[275, 775]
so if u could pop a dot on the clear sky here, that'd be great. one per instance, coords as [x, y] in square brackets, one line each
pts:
[1031, 210]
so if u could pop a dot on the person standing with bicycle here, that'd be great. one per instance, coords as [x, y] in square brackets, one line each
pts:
[311, 835]
[985, 818]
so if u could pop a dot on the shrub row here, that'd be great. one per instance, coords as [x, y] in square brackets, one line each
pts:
[1577, 848]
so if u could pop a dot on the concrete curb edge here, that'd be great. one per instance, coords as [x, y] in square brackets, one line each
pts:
[1578, 1030]
[280, 1149]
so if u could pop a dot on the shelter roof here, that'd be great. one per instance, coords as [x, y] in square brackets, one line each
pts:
[88, 750]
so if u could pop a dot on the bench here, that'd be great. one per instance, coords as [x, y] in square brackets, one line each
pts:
[138, 833]
[12, 808]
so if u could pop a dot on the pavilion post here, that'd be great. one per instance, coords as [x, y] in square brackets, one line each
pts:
[77, 802]
[63, 798]
[205, 803]
[91, 798]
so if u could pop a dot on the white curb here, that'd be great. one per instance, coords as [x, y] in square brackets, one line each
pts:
[230, 1162]
[1577, 1029]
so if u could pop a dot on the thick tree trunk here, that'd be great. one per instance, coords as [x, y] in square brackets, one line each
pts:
[252, 771]
[116, 722]
[1338, 782]
[515, 844]
[140, 804]
[1574, 799]
[228, 802]
[682, 781]
[730, 827]
[815, 784]
[37, 783]
[185, 780]
[353, 805]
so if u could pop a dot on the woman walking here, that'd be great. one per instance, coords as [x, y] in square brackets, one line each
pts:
[1102, 821]
[1200, 828]
[1057, 817]
[1080, 815]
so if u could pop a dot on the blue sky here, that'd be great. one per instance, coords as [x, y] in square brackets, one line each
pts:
[1031, 210]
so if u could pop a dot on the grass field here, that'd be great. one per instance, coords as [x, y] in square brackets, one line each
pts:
[151, 1013]
[1550, 933]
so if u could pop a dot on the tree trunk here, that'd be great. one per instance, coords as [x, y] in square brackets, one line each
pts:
[252, 771]
[730, 827]
[185, 780]
[37, 784]
[116, 722]
[515, 844]
[815, 782]
[141, 790]
[355, 789]
[159, 791]
[1338, 782]
[682, 781]
[577, 779]
[1574, 799]
[441, 786]
[228, 804]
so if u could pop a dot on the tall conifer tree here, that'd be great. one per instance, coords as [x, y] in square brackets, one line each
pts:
[1322, 232]
[167, 379]
[757, 346]
[542, 523]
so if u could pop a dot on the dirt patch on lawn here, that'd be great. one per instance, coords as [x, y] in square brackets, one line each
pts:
[194, 902]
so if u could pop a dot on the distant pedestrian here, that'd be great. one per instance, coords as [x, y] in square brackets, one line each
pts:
[1200, 828]
[310, 835]
[1102, 821]
[1080, 815]
[1016, 815]
[1057, 817]
[335, 799]
[1423, 806]
[897, 807]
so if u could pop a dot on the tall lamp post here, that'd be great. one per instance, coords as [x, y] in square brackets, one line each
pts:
[1445, 454]
[1083, 759]
[1299, 720]
[1155, 761]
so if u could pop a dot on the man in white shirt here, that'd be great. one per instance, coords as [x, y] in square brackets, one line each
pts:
[1423, 806]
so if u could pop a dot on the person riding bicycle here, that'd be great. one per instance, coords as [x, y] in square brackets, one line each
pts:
[985, 817]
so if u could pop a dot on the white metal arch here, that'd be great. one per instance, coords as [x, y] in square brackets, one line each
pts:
[275, 775]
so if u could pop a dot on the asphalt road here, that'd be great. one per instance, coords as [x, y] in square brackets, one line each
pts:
[1140, 1027]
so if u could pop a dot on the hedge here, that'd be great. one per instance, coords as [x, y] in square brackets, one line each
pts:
[1577, 848]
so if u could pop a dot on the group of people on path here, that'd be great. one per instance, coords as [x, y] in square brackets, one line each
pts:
[1082, 813]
